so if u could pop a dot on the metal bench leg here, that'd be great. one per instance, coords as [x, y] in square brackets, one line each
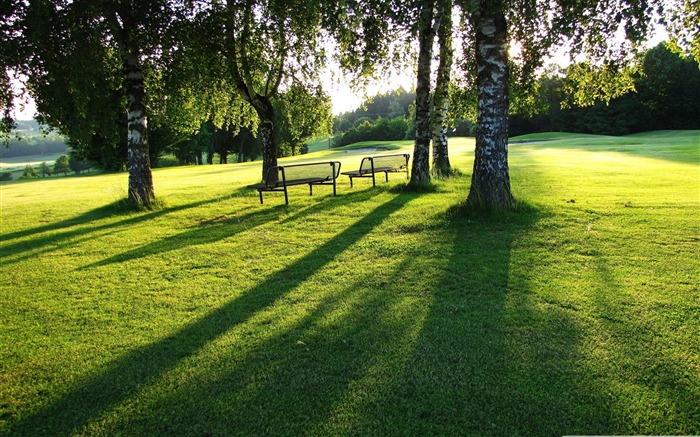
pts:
[374, 183]
[311, 190]
[350, 181]
[286, 198]
[260, 192]
[386, 175]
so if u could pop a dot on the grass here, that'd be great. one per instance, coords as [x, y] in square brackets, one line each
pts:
[378, 311]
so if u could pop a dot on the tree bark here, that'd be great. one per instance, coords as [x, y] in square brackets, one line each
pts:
[138, 161]
[490, 186]
[441, 101]
[266, 114]
[240, 67]
[420, 171]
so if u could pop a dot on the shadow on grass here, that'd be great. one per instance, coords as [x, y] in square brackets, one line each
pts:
[54, 236]
[489, 360]
[126, 376]
[651, 340]
[223, 227]
[446, 342]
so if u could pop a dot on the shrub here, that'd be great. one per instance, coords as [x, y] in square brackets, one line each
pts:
[6, 176]
[168, 161]
[62, 165]
[29, 173]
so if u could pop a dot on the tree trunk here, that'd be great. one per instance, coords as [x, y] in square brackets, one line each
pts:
[420, 171]
[139, 165]
[266, 114]
[490, 186]
[138, 161]
[441, 101]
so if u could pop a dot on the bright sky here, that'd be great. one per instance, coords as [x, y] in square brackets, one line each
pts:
[346, 99]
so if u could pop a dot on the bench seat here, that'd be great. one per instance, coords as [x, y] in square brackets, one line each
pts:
[386, 164]
[278, 178]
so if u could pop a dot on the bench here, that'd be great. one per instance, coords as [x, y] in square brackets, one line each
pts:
[280, 177]
[380, 164]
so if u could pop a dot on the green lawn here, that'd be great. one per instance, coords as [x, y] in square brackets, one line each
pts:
[375, 312]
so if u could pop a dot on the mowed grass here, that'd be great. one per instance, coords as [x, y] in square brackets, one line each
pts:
[376, 312]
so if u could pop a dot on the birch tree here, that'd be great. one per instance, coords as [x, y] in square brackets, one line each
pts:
[441, 98]
[588, 26]
[77, 50]
[427, 23]
[266, 46]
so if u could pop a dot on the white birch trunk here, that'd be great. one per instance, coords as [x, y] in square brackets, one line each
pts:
[141, 190]
[441, 101]
[490, 186]
[420, 170]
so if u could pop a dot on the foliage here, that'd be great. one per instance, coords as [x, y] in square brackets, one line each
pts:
[62, 165]
[44, 169]
[78, 165]
[385, 105]
[682, 18]
[301, 114]
[11, 53]
[382, 129]
[5, 176]
[375, 312]
[29, 173]
[267, 46]
[666, 96]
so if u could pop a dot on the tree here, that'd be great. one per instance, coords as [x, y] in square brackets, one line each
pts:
[264, 46]
[302, 114]
[682, 17]
[668, 90]
[11, 53]
[29, 173]
[441, 99]
[98, 49]
[78, 165]
[427, 22]
[587, 25]
[44, 169]
[490, 184]
[62, 165]
[98, 69]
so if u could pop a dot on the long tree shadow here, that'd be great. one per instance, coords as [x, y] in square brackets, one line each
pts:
[654, 338]
[467, 352]
[56, 235]
[227, 226]
[489, 359]
[126, 376]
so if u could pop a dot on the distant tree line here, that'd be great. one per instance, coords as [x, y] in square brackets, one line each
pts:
[387, 117]
[666, 95]
[64, 164]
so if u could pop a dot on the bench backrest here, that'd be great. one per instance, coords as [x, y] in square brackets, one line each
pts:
[313, 171]
[396, 162]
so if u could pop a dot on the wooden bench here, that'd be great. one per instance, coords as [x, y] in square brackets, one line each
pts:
[280, 177]
[386, 164]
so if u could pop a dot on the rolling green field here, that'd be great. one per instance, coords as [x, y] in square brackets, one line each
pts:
[376, 312]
